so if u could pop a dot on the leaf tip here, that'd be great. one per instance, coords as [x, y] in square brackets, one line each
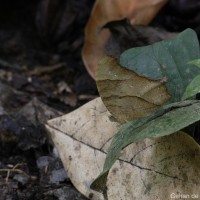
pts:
[99, 184]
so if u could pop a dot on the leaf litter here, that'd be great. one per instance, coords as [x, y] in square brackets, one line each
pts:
[168, 121]
[21, 53]
[157, 174]
[32, 66]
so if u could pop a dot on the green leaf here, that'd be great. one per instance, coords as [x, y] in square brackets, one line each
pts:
[195, 62]
[165, 121]
[168, 60]
[192, 89]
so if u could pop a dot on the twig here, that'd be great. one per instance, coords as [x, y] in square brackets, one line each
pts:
[14, 169]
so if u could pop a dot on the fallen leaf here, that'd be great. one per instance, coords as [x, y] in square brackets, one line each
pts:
[82, 148]
[165, 121]
[126, 94]
[147, 170]
[137, 11]
[166, 59]
[25, 129]
[38, 113]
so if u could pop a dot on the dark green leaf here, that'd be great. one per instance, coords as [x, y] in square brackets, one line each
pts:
[195, 62]
[192, 89]
[167, 60]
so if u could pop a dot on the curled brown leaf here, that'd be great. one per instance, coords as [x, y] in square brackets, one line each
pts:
[137, 11]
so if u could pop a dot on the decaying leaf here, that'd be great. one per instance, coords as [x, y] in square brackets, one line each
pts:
[165, 121]
[82, 142]
[127, 95]
[137, 11]
[147, 170]
[24, 129]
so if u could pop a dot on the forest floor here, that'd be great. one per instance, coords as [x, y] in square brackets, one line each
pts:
[42, 76]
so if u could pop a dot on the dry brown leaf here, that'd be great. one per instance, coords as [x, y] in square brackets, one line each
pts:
[126, 94]
[148, 170]
[137, 11]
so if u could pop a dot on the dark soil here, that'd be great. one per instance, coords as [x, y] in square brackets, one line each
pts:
[42, 76]
[40, 66]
